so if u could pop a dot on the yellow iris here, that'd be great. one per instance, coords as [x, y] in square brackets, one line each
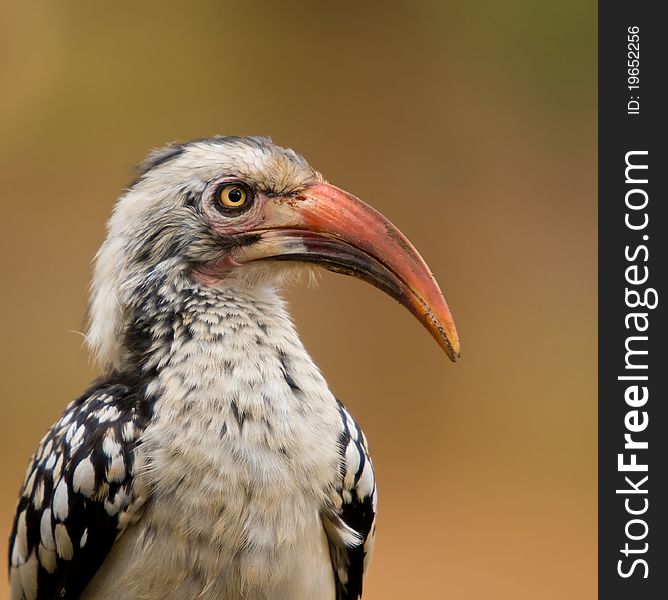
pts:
[232, 196]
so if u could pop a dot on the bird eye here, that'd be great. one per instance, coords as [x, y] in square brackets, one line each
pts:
[232, 196]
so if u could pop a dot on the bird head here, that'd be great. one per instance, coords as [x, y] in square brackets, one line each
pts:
[236, 212]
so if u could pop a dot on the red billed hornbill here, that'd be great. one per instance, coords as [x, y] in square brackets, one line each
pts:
[212, 461]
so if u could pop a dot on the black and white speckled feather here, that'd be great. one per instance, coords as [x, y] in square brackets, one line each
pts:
[79, 494]
[351, 524]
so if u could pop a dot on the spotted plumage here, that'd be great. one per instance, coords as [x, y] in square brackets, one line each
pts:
[355, 502]
[80, 492]
[212, 461]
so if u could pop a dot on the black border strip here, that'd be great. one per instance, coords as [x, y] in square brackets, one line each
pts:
[633, 357]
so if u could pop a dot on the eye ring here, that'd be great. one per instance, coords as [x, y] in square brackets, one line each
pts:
[232, 197]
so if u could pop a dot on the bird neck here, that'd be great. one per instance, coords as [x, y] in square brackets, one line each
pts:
[182, 316]
[231, 346]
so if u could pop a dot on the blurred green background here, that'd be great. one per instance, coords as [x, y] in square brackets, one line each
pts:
[471, 125]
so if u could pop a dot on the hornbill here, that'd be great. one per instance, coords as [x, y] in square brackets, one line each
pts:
[212, 460]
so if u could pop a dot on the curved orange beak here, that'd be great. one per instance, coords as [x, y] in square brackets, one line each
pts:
[337, 231]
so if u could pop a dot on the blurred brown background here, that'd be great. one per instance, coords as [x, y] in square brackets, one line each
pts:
[471, 125]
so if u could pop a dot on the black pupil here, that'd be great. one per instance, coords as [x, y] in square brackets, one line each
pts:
[235, 195]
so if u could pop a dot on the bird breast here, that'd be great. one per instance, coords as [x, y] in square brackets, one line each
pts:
[242, 451]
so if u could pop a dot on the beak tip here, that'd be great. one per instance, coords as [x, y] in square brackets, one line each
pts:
[452, 348]
[444, 332]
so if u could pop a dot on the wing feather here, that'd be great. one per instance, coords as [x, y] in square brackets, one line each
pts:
[350, 523]
[79, 494]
